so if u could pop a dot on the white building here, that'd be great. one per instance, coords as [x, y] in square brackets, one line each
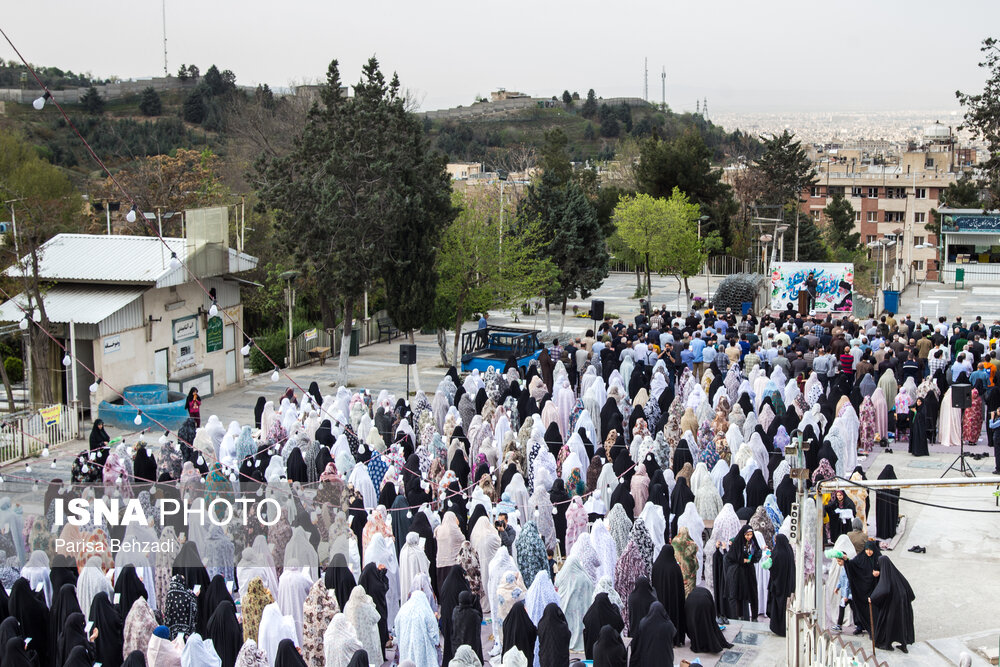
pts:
[136, 320]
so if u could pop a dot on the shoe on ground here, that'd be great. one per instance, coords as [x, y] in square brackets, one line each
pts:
[837, 628]
[859, 631]
[902, 647]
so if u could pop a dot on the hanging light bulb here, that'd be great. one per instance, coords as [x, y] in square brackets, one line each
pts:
[275, 376]
[67, 360]
[201, 460]
[409, 514]
[53, 464]
[232, 477]
[85, 468]
[174, 262]
[34, 487]
[23, 324]
[45, 452]
[27, 468]
[138, 418]
[93, 387]
[245, 350]
[39, 102]
[152, 490]
[130, 216]
[213, 310]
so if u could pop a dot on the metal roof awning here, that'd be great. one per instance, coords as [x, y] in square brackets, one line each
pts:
[76, 303]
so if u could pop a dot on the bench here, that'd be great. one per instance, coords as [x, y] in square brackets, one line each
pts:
[319, 353]
[387, 328]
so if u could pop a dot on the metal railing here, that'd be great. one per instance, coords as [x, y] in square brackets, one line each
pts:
[976, 274]
[718, 265]
[27, 433]
[332, 338]
[808, 644]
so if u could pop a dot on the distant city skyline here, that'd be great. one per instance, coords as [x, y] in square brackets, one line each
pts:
[780, 55]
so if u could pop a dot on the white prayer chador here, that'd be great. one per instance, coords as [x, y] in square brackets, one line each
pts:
[486, 541]
[575, 593]
[340, 642]
[36, 571]
[91, 582]
[417, 632]
[412, 561]
[293, 587]
[364, 617]
[200, 653]
[382, 551]
[275, 626]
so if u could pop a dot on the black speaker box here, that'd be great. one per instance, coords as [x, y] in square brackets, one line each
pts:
[408, 354]
[597, 309]
[961, 396]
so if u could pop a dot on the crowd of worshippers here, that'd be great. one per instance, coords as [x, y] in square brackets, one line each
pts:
[565, 508]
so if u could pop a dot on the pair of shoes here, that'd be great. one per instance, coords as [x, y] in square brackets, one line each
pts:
[914, 548]
[885, 648]
[918, 549]
[902, 647]
[837, 628]
[996, 472]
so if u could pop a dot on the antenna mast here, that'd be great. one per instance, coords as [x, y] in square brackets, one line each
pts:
[166, 71]
[663, 92]
[645, 79]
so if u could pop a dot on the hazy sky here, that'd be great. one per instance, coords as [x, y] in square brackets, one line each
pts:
[754, 56]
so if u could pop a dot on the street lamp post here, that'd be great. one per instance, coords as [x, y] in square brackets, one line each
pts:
[288, 277]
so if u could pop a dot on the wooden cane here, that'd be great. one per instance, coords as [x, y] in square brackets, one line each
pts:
[871, 626]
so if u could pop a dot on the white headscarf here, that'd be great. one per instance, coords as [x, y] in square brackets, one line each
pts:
[274, 626]
[200, 653]
[340, 642]
[293, 587]
[417, 632]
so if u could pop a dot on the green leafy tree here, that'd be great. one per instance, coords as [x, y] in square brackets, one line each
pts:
[553, 158]
[356, 181]
[182, 73]
[786, 169]
[840, 234]
[486, 262]
[684, 163]
[982, 118]
[589, 109]
[567, 98]
[588, 132]
[92, 101]
[149, 102]
[196, 105]
[684, 251]
[220, 83]
[963, 193]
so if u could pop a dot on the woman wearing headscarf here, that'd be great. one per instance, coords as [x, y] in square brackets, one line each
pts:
[110, 630]
[199, 653]
[98, 435]
[575, 591]
[518, 631]
[72, 634]
[609, 650]
[862, 580]
[364, 617]
[639, 602]
[417, 632]
[448, 538]
[654, 640]
[886, 507]
[743, 555]
[139, 626]
[702, 628]
[466, 625]
[553, 637]
[841, 512]
[668, 582]
[225, 632]
[686, 552]
[781, 583]
[340, 580]
[288, 655]
[33, 615]
[920, 429]
[375, 582]
[892, 604]
[531, 554]
[340, 643]
[252, 605]
[161, 651]
[15, 654]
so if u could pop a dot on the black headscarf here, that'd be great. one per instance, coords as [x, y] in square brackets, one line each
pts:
[288, 655]
[188, 564]
[258, 411]
[560, 502]
[785, 495]
[314, 392]
[99, 436]
[110, 630]
[225, 632]
[421, 525]
[892, 603]
[668, 582]
[466, 623]
[324, 434]
[451, 589]
[128, 586]
[64, 603]
[602, 612]
[639, 601]
[609, 650]
[30, 610]
[781, 584]
[15, 655]
[359, 659]
[860, 576]
[144, 467]
[654, 640]
[733, 487]
[340, 580]
[211, 597]
[702, 628]
[553, 637]
[138, 659]
[756, 489]
[886, 507]
[518, 631]
[73, 633]
[376, 584]
[679, 499]
[11, 628]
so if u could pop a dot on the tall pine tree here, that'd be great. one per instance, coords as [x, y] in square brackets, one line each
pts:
[840, 234]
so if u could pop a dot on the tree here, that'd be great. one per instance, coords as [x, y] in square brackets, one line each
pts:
[92, 101]
[574, 241]
[785, 168]
[554, 160]
[47, 205]
[486, 264]
[684, 163]
[982, 111]
[149, 102]
[588, 132]
[195, 108]
[182, 73]
[639, 224]
[220, 83]
[683, 250]
[357, 180]
[589, 109]
[610, 128]
[193, 72]
[840, 234]
[963, 193]
[567, 99]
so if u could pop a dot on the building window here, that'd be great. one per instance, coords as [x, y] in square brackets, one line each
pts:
[857, 216]
[921, 193]
[928, 163]
[894, 216]
[871, 238]
[814, 191]
[815, 215]
[873, 193]
[834, 190]
[856, 191]
[919, 218]
[872, 216]
[918, 240]
[918, 264]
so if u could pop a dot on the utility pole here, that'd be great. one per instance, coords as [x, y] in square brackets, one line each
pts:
[645, 79]
[166, 71]
[663, 91]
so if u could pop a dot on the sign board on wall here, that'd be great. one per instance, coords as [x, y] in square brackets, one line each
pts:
[311, 335]
[185, 328]
[213, 334]
[112, 344]
[834, 285]
[51, 415]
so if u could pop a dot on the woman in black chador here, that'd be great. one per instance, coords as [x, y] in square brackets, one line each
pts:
[743, 554]
[892, 607]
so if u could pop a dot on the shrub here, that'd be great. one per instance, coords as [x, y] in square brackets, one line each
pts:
[274, 344]
[15, 369]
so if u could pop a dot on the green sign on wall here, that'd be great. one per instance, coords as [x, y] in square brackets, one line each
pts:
[213, 334]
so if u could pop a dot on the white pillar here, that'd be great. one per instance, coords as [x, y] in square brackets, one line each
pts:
[73, 371]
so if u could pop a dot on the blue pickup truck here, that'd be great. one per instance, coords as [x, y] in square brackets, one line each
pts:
[494, 346]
